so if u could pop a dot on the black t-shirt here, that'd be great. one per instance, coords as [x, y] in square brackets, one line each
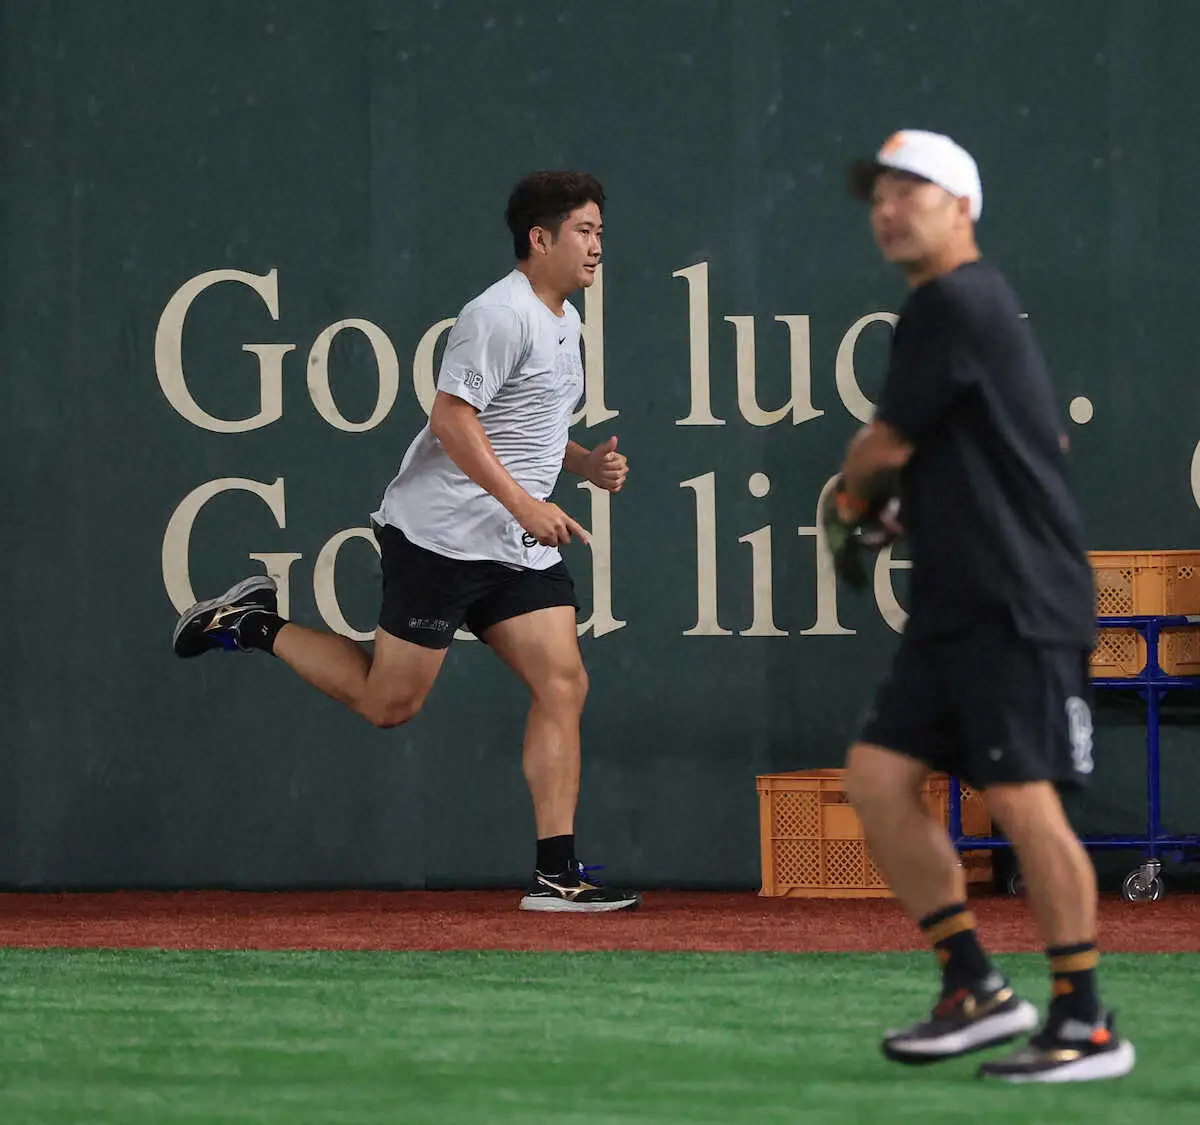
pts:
[991, 524]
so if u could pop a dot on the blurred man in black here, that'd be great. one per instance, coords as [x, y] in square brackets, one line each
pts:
[990, 681]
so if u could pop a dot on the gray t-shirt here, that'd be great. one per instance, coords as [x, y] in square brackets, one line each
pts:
[519, 365]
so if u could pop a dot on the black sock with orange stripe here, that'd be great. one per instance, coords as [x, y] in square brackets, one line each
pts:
[1074, 993]
[951, 932]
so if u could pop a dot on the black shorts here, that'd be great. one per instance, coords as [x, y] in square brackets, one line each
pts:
[427, 596]
[989, 707]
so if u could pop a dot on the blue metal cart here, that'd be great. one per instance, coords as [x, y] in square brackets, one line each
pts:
[1144, 883]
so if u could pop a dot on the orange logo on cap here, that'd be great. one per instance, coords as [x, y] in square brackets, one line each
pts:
[895, 141]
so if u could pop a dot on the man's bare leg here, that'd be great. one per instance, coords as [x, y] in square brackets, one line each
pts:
[1077, 1042]
[1060, 881]
[911, 850]
[542, 647]
[387, 688]
[977, 1009]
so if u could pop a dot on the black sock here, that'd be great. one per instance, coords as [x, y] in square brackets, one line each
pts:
[259, 630]
[951, 931]
[555, 854]
[1074, 994]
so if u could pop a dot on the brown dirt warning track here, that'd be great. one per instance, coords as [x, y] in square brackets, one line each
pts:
[439, 920]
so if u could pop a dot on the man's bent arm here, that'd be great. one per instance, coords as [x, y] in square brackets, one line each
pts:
[455, 423]
[575, 459]
[875, 448]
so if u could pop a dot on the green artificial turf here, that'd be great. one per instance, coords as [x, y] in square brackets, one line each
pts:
[132, 1036]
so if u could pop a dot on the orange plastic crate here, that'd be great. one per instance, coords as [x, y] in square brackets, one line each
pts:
[812, 839]
[1146, 582]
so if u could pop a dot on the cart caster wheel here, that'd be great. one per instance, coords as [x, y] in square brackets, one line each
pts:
[1137, 888]
[1016, 885]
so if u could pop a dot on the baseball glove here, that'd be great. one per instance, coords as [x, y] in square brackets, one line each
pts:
[857, 527]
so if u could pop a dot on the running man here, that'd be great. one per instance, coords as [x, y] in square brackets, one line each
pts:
[990, 679]
[468, 534]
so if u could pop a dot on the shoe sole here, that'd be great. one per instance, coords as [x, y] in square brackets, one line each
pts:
[233, 594]
[1090, 1068]
[991, 1031]
[565, 906]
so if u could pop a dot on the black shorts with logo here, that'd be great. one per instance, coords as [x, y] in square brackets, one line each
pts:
[988, 706]
[427, 596]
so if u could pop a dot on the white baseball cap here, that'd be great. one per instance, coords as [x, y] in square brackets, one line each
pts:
[932, 156]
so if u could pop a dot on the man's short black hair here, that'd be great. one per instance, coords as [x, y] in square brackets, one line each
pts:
[545, 199]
